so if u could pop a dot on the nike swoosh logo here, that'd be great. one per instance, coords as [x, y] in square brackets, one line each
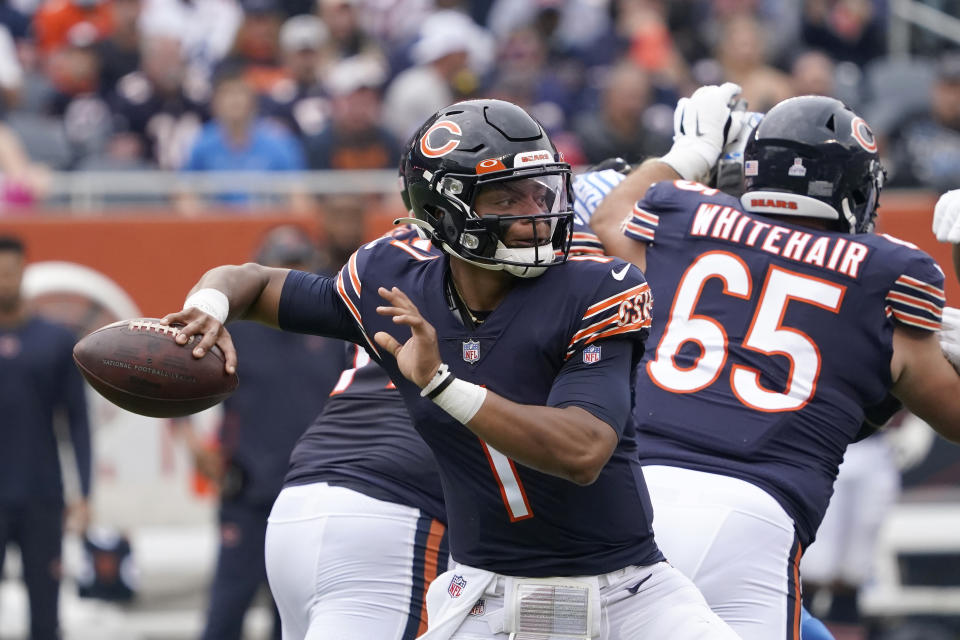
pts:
[637, 586]
[619, 275]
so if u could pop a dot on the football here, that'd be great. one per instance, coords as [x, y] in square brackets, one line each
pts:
[137, 365]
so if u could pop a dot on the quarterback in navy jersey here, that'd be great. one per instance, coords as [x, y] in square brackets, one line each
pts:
[515, 365]
[785, 317]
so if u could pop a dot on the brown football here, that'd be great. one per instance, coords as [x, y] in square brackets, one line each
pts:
[137, 365]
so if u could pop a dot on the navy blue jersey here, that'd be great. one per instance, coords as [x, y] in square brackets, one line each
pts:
[38, 380]
[364, 440]
[569, 337]
[774, 338]
[284, 381]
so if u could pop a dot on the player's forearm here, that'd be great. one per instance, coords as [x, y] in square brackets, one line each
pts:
[925, 381]
[618, 205]
[567, 442]
[251, 289]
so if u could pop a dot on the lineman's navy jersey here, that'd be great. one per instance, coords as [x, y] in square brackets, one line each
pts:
[363, 440]
[768, 340]
[286, 379]
[569, 337]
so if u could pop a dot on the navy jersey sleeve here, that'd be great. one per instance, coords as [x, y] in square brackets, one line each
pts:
[310, 303]
[641, 224]
[621, 305]
[598, 380]
[916, 297]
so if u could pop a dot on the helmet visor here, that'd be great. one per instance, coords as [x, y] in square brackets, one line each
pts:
[527, 209]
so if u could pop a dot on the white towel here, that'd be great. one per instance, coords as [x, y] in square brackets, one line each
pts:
[450, 598]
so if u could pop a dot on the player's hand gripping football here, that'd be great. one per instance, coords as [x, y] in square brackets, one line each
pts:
[946, 217]
[701, 127]
[419, 357]
[212, 332]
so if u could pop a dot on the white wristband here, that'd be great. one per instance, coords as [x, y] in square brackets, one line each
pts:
[212, 302]
[688, 163]
[461, 399]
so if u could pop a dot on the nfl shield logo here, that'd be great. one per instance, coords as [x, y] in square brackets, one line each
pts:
[471, 351]
[591, 354]
[457, 583]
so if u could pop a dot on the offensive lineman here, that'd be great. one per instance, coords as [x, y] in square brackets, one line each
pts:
[787, 317]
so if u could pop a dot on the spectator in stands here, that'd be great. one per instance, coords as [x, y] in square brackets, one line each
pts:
[925, 150]
[354, 137]
[298, 101]
[206, 28]
[22, 181]
[812, 73]
[439, 57]
[347, 37]
[55, 18]
[235, 140]
[847, 30]
[257, 44]
[74, 72]
[525, 76]
[627, 124]
[157, 112]
[11, 73]
[120, 50]
[742, 54]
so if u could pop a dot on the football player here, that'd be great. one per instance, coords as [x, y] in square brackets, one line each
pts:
[515, 365]
[359, 530]
[785, 316]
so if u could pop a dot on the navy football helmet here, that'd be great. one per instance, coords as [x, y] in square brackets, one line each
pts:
[474, 147]
[812, 156]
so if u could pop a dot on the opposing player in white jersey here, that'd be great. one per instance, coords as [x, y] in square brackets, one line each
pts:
[784, 317]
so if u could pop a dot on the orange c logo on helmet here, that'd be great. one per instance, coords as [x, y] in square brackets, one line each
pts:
[863, 135]
[435, 152]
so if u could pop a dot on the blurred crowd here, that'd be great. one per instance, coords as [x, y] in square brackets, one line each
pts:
[276, 85]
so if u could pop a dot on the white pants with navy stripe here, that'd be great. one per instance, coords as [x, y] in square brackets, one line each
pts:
[345, 566]
[637, 603]
[735, 542]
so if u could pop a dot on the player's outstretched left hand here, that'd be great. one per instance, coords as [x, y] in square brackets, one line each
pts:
[419, 357]
[212, 332]
[946, 217]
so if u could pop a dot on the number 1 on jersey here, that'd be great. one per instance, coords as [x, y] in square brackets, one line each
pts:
[511, 489]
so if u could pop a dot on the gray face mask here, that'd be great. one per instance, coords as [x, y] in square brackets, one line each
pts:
[727, 175]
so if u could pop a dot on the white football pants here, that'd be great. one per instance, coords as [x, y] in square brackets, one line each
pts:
[735, 542]
[345, 566]
[636, 603]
